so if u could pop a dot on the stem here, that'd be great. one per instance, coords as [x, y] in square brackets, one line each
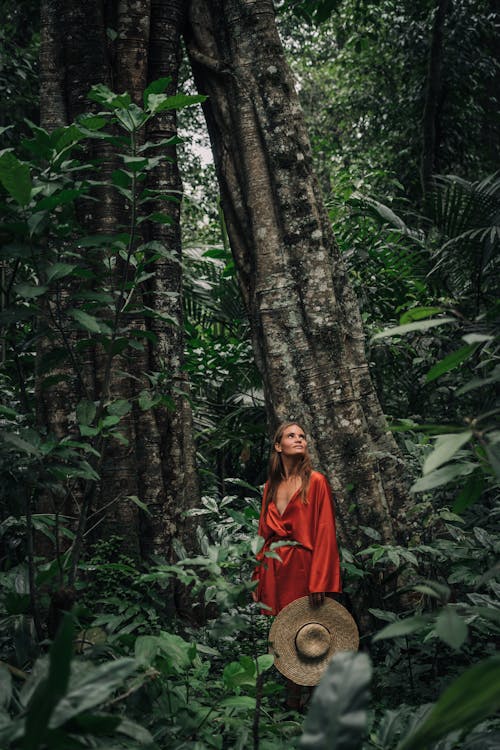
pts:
[31, 568]
[412, 685]
[58, 549]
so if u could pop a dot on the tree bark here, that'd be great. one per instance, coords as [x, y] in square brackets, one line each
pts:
[307, 332]
[126, 44]
[433, 97]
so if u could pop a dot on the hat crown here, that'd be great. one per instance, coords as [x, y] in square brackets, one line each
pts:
[313, 640]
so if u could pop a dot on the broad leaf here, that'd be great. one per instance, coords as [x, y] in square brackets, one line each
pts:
[51, 690]
[443, 476]
[422, 325]
[30, 291]
[85, 412]
[445, 448]
[402, 627]
[15, 177]
[467, 701]
[86, 321]
[451, 628]
[448, 363]
[338, 714]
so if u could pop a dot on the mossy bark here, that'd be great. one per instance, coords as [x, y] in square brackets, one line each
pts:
[307, 332]
[126, 44]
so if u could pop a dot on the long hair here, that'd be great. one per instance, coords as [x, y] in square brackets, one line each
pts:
[276, 472]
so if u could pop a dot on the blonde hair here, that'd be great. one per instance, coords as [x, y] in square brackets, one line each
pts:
[276, 472]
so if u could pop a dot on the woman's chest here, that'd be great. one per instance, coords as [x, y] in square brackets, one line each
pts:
[285, 492]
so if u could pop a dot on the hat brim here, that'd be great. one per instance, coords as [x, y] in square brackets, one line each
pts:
[343, 633]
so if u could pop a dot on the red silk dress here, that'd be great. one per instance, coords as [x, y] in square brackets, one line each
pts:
[314, 565]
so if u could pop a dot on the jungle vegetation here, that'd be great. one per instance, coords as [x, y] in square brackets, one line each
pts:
[186, 259]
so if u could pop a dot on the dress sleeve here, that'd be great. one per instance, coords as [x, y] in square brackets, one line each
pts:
[325, 563]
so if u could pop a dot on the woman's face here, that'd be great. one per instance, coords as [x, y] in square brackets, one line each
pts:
[293, 441]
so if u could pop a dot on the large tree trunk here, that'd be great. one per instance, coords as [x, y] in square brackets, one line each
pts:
[307, 332]
[433, 97]
[126, 44]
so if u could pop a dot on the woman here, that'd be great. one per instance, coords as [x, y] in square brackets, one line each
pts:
[297, 506]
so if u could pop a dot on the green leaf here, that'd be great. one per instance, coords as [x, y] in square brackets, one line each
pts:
[493, 454]
[467, 701]
[339, 709]
[239, 701]
[445, 448]
[5, 687]
[156, 87]
[402, 627]
[6, 411]
[422, 325]
[135, 731]
[146, 649]
[15, 177]
[256, 544]
[59, 271]
[21, 444]
[140, 504]
[29, 291]
[180, 652]
[60, 198]
[448, 363]
[469, 494]
[103, 95]
[50, 691]
[85, 412]
[418, 313]
[119, 407]
[161, 103]
[442, 476]
[110, 421]
[265, 662]
[86, 321]
[451, 628]
[91, 687]
[97, 723]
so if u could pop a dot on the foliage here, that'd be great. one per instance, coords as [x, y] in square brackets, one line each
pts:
[19, 43]
[66, 293]
[127, 672]
[367, 65]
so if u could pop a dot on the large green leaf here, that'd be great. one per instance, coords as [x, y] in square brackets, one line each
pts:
[467, 701]
[15, 177]
[161, 103]
[85, 412]
[338, 714]
[91, 686]
[238, 701]
[86, 321]
[451, 628]
[421, 325]
[402, 627]
[451, 361]
[51, 690]
[5, 687]
[445, 448]
[443, 475]
[156, 87]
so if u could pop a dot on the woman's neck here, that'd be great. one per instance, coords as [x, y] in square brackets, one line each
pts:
[290, 466]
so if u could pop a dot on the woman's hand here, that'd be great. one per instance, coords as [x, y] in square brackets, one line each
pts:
[316, 599]
[254, 596]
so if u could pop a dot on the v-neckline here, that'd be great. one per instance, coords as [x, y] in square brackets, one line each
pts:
[288, 503]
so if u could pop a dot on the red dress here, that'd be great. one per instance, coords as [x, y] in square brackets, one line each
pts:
[314, 566]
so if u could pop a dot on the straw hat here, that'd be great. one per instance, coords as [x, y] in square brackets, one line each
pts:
[303, 639]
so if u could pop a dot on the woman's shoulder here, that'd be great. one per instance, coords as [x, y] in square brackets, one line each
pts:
[318, 478]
